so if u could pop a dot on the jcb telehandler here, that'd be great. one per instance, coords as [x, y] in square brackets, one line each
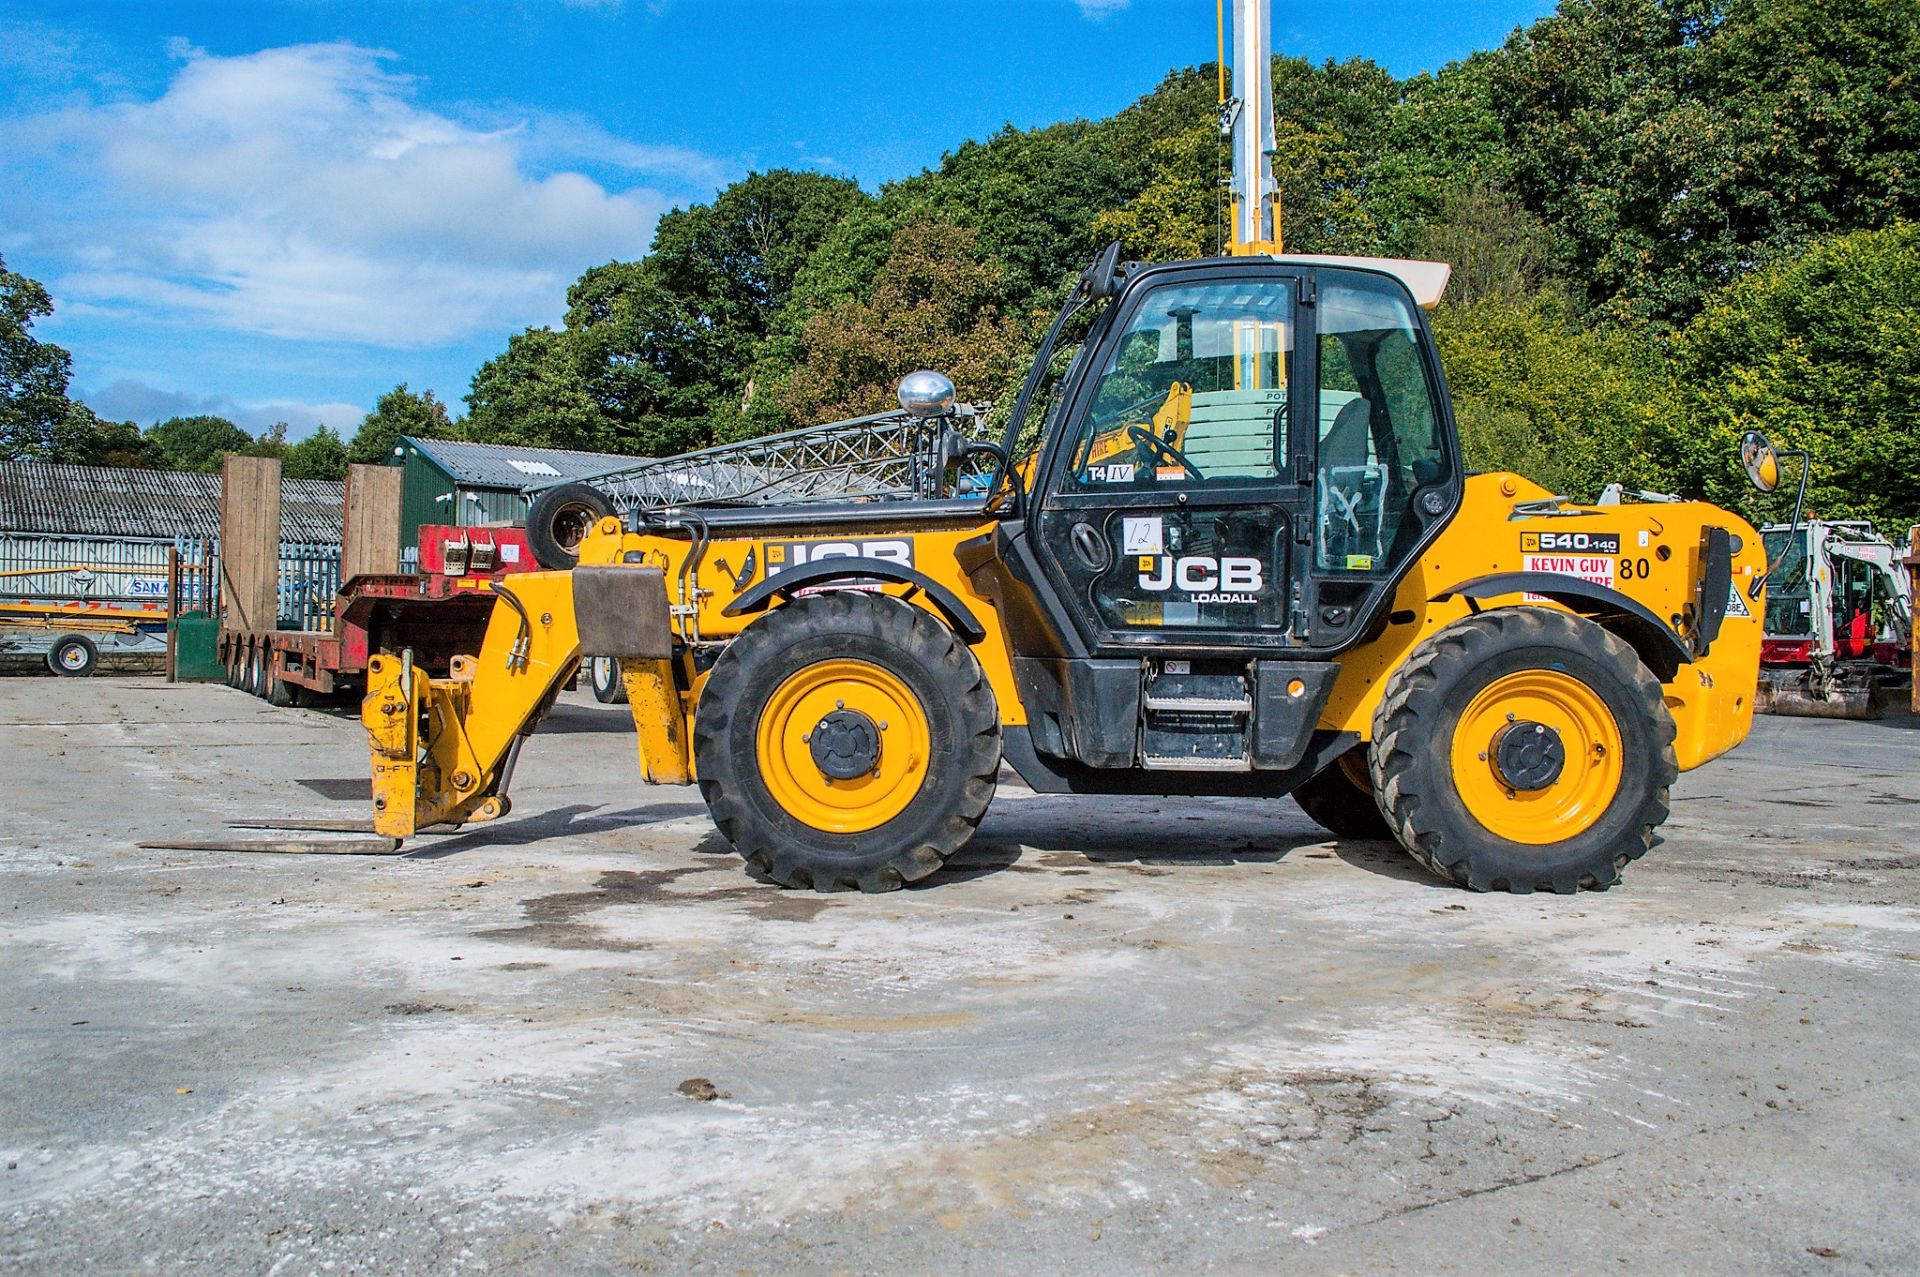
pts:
[1225, 545]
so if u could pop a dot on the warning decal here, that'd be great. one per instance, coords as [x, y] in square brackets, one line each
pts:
[1736, 602]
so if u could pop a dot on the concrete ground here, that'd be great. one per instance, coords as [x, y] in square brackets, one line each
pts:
[1118, 1035]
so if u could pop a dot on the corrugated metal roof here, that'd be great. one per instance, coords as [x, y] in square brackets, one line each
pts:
[493, 465]
[106, 501]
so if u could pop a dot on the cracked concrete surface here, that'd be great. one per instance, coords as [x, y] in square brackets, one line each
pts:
[1114, 1035]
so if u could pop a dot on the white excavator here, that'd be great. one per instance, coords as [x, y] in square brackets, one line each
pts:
[1838, 633]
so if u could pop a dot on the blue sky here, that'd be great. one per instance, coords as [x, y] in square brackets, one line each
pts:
[277, 211]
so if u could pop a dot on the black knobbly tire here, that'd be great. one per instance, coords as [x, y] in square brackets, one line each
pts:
[73, 656]
[907, 644]
[557, 520]
[1340, 800]
[1411, 757]
[603, 675]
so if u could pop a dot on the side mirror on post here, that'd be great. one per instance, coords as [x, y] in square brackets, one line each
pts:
[1761, 462]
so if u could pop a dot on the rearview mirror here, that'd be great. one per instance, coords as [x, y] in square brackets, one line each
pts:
[1761, 462]
[1102, 277]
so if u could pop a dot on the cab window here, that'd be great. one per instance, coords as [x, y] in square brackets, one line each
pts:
[1194, 391]
[1380, 438]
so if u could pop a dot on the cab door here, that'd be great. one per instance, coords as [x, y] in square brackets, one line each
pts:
[1178, 495]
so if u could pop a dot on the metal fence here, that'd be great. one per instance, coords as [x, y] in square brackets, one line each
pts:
[128, 576]
[309, 578]
[105, 572]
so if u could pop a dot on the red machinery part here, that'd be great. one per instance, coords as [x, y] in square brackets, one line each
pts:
[446, 550]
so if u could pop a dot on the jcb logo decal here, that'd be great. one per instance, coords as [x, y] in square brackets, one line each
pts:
[1570, 542]
[1201, 574]
[782, 555]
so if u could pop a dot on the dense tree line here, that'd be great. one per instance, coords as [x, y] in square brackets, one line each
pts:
[1670, 221]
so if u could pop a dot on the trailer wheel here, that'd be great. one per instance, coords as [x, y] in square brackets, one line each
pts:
[603, 673]
[73, 656]
[1340, 799]
[279, 691]
[559, 518]
[847, 740]
[1524, 748]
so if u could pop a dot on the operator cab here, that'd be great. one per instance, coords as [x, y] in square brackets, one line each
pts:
[1248, 455]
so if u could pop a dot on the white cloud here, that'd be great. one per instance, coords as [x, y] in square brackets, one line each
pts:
[1097, 10]
[128, 400]
[304, 192]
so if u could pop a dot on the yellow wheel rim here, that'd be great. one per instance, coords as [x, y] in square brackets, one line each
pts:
[1570, 803]
[794, 776]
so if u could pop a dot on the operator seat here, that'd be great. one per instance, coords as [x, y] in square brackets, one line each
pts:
[1345, 443]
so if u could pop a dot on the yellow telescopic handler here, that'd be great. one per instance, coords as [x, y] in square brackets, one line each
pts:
[1225, 546]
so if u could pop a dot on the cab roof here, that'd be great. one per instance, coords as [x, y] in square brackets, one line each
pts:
[1425, 280]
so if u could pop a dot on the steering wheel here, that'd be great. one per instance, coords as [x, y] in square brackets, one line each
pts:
[1159, 447]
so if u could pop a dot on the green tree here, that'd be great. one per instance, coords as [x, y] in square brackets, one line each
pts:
[658, 355]
[33, 374]
[198, 443]
[1820, 351]
[1573, 409]
[321, 455]
[938, 303]
[80, 438]
[1672, 143]
[1181, 213]
[398, 412]
[1496, 247]
[535, 393]
[1330, 128]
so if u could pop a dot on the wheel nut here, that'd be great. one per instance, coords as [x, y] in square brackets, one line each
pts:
[839, 704]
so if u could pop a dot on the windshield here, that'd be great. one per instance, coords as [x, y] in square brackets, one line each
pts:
[1789, 606]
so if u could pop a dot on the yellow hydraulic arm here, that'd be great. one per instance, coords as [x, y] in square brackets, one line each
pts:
[443, 749]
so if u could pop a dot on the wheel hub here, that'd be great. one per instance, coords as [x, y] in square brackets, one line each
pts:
[1528, 756]
[845, 744]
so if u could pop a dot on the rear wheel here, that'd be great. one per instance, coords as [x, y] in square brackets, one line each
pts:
[1340, 799]
[1524, 749]
[847, 740]
[279, 691]
[74, 656]
[603, 675]
[560, 519]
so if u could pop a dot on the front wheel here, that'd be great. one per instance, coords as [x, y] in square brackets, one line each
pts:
[1523, 749]
[1340, 799]
[847, 740]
